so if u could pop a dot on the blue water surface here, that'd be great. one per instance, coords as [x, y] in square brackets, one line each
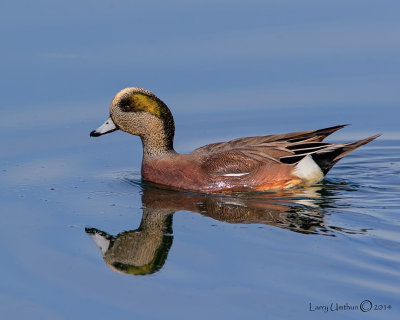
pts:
[226, 69]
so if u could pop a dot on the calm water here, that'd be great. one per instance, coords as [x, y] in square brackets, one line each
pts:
[235, 70]
[258, 256]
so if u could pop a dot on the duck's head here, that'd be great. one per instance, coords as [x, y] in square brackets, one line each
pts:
[140, 112]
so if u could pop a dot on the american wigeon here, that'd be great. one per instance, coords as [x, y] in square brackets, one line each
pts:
[245, 164]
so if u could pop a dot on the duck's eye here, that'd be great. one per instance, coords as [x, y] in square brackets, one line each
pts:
[125, 104]
[126, 108]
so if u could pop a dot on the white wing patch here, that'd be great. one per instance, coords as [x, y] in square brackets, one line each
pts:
[235, 174]
[308, 170]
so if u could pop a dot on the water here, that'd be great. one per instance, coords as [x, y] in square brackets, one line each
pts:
[268, 67]
[260, 255]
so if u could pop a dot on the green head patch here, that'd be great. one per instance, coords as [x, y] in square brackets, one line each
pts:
[142, 102]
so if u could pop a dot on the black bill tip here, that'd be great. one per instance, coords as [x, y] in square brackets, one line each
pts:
[94, 133]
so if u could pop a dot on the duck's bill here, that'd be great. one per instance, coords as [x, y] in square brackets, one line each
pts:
[106, 127]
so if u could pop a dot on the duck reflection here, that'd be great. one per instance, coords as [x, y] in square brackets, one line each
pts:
[144, 250]
[141, 251]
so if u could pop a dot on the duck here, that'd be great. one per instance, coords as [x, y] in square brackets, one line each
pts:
[250, 164]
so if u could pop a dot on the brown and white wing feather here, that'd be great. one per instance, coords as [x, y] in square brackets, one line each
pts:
[286, 138]
[241, 156]
[236, 161]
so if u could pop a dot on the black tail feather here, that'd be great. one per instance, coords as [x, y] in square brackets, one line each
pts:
[324, 154]
[327, 158]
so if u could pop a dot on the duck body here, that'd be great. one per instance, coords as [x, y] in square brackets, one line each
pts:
[261, 163]
[194, 173]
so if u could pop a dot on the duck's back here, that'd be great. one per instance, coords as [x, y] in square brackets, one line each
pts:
[252, 163]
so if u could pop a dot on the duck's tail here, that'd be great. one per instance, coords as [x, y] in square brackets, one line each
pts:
[325, 155]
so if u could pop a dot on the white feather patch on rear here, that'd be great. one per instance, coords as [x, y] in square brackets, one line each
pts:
[308, 170]
[235, 174]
